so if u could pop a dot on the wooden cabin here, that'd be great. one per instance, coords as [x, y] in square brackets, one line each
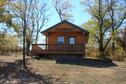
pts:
[63, 40]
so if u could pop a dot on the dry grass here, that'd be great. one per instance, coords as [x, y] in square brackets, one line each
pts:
[48, 71]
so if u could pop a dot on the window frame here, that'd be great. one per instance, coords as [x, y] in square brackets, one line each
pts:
[74, 40]
[59, 41]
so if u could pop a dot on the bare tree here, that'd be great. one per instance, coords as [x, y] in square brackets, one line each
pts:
[37, 19]
[40, 17]
[63, 9]
[33, 15]
[19, 8]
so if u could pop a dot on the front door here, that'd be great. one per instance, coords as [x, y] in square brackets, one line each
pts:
[72, 40]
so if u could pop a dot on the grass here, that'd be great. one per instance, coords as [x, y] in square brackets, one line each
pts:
[52, 72]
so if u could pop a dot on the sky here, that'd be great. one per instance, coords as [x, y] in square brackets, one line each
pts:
[79, 13]
[80, 16]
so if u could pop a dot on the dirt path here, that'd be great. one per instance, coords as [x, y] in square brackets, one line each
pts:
[82, 74]
[52, 72]
[11, 72]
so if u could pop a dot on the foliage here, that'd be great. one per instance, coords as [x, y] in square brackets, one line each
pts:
[5, 17]
[92, 52]
[118, 55]
[92, 27]
[10, 42]
[103, 26]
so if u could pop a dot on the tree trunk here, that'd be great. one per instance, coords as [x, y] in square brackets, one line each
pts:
[101, 50]
[28, 47]
[101, 46]
[36, 39]
[24, 42]
[112, 26]
[113, 40]
[24, 32]
[113, 47]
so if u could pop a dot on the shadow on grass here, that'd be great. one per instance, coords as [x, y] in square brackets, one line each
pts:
[88, 62]
[14, 73]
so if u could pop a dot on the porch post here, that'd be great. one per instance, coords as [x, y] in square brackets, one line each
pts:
[46, 48]
[46, 42]
[84, 38]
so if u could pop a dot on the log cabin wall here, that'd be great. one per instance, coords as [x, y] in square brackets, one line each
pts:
[80, 38]
[66, 31]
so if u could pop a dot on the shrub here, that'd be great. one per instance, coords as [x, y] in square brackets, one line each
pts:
[117, 55]
[92, 52]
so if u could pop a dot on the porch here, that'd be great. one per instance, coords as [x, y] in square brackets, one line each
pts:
[39, 49]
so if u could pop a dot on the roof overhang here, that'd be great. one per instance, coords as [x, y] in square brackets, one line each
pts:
[62, 22]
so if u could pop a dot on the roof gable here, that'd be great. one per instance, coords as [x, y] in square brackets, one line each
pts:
[67, 24]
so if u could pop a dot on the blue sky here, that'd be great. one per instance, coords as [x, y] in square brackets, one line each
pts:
[80, 15]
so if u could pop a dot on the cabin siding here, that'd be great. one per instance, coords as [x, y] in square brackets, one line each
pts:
[80, 38]
[67, 31]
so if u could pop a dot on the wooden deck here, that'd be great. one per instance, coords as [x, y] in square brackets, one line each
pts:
[38, 49]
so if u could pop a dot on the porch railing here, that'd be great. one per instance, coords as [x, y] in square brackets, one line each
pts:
[57, 48]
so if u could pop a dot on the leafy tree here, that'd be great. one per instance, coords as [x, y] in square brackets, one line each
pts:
[92, 27]
[5, 17]
[106, 19]
[7, 42]
[6, 23]
[98, 9]
[117, 14]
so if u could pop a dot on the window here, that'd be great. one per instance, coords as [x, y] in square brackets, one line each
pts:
[60, 40]
[72, 40]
